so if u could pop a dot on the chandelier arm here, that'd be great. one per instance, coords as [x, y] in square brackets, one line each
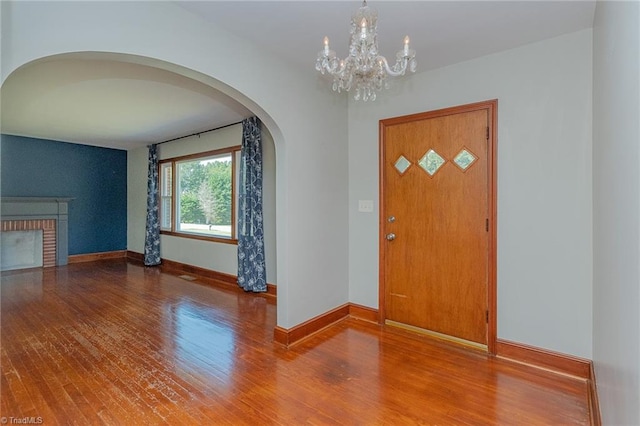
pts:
[337, 68]
[328, 64]
[403, 61]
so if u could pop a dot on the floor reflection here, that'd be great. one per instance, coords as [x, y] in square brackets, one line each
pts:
[21, 286]
[202, 344]
[113, 343]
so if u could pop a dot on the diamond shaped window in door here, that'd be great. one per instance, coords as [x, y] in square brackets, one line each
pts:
[464, 159]
[431, 162]
[402, 164]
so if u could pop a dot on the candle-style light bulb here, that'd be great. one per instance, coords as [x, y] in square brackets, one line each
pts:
[326, 45]
[363, 27]
[406, 45]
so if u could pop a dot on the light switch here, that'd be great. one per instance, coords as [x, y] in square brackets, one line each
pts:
[365, 206]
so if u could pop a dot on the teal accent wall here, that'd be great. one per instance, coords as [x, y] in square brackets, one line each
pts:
[95, 177]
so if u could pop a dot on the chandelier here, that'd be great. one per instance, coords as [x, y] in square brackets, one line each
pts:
[364, 69]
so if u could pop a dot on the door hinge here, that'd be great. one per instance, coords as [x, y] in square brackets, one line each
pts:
[486, 225]
[487, 315]
[487, 132]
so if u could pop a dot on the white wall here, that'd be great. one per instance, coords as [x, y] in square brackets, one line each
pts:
[544, 183]
[306, 120]
[209, 255]
[137, 160]
[616, 210]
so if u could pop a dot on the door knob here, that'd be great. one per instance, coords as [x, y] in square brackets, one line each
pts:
[391, 236]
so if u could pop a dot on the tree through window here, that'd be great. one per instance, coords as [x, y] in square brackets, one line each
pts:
[204, 194]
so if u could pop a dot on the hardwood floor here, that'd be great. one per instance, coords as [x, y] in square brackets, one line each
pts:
[111, 342]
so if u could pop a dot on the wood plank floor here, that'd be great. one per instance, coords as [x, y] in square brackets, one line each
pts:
[112, 342]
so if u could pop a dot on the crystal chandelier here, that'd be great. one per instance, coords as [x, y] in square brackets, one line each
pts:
[364, 69]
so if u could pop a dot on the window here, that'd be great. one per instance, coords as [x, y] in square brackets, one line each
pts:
[198, 196]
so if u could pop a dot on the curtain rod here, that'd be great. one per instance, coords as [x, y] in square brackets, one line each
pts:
[199, 133]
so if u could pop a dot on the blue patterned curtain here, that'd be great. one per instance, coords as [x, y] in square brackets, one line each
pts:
[152, 235]
[252, 274]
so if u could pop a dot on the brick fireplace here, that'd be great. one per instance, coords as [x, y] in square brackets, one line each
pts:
[48, 227]
[50, 215]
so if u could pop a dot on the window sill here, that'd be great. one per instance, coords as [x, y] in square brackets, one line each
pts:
[201, 237]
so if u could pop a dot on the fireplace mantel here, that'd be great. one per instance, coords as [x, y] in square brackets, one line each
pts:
[35, 208]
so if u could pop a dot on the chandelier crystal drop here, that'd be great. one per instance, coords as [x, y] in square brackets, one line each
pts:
[364, 69]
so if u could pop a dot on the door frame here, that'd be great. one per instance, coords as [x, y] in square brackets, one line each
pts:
[491, 107]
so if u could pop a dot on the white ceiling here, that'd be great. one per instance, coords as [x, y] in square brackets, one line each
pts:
[123, 105]
[441, 32]
[110, 103]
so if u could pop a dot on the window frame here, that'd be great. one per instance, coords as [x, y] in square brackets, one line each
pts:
[234, 152]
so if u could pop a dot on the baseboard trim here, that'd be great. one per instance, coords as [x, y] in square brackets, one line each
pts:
[364, 313]
[228, 280]
[135, 256]
[594, 405]
[92, 257]
[288, 337]
[184, 268]
[543, 358]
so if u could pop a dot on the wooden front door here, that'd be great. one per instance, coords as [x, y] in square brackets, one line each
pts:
[437, 221]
